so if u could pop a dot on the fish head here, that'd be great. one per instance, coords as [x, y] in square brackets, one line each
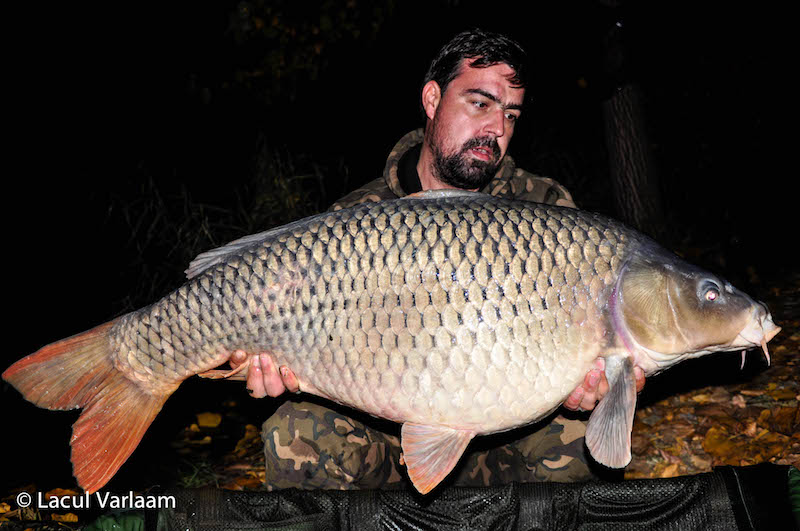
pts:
[669, 310]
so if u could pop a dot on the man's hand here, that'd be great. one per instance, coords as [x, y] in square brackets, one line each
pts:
[595, 387]
[263, 378]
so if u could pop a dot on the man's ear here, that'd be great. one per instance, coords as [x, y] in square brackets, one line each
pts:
[431, 96]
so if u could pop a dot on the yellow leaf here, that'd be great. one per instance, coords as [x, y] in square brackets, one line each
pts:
[58, 493]
[718, 443]
[4, 508]
[69, 517]
[670, 471]
[208, 420]
[782, 394]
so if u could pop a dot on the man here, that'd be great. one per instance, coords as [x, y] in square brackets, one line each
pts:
[472, 98]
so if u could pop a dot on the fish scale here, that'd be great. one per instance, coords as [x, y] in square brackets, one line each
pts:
[374, 321]
[456, 314]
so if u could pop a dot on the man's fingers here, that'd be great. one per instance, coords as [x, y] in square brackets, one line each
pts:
[595, 387]
[289, 379]
[272, 380]
[237, 358]
[602, 386]
[573, 402]
[255, 379]
[638, 373]
[589, 401]
[590, 384]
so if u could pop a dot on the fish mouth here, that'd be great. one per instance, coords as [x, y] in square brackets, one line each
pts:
[757, 333]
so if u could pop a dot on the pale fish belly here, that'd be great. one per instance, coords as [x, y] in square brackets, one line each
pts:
[465, 386]
[429, 345]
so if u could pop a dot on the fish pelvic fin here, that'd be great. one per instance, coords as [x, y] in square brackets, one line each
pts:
[608, 433]
[431, 452]
[77, 372]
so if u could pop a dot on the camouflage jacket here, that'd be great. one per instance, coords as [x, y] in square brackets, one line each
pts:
[509, 182]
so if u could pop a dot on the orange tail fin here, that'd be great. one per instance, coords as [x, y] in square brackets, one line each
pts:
[77, 372]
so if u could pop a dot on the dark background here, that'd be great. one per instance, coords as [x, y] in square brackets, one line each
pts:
[142, 134]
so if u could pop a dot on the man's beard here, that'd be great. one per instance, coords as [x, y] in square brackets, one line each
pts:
[463, 171]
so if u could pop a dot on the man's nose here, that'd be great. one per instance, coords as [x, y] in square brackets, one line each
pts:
[496, 123]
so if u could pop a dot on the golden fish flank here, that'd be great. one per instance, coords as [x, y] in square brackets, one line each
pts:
[456, 314]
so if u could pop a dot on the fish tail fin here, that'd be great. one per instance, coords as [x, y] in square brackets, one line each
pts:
[77, 372]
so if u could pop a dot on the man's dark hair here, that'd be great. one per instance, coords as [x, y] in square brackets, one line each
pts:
[486, 47]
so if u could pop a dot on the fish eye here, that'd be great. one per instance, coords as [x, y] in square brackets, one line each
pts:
[710, 290]
[712, 294]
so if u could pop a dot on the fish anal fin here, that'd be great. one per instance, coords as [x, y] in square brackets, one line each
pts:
[608, 433]
[431, 452]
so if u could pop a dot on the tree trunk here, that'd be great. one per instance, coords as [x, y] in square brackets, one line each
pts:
[637, 198]
[634, 183]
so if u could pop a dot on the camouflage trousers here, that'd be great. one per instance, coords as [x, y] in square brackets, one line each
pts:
[310, 446]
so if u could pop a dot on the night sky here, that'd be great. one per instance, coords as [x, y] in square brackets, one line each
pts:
[109, 101]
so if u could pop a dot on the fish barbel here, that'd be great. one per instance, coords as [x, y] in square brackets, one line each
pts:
[456, 314]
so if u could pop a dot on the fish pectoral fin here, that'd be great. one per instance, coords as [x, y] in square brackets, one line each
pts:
[608, 434]
[230, 374]
[431, 452]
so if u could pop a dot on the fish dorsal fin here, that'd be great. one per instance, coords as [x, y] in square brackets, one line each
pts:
[431, 452]
[215, 256]
[608, 433]
[443, 193]
[205, 260]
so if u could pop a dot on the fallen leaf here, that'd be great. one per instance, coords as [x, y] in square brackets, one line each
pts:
[209, 420]
[58, 493]
[69, 517]
[739, 401]
[4, 508]
[763, 417]
[670, 471]
[782, 394]
[769, 444]
[700, 463]
[719, 443]
[784, 420]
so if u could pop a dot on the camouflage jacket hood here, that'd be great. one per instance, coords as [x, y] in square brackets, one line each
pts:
[509, 181]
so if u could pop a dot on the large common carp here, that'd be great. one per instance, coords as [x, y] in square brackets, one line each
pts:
[453, 313]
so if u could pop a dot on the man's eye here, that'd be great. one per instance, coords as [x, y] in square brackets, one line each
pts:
[511, 117]
[479, 104]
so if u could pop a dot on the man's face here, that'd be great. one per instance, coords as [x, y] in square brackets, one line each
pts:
[473, 124]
